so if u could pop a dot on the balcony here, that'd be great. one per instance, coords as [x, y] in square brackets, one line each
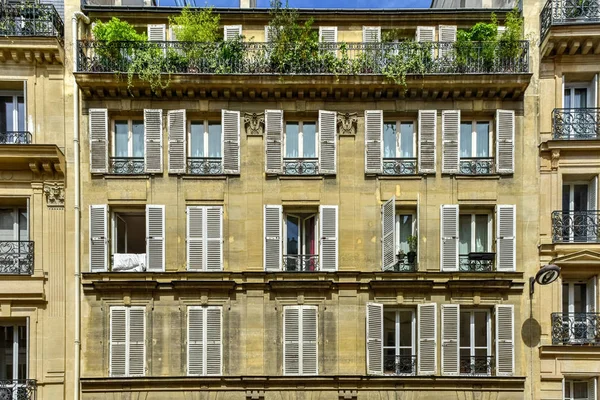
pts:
[476, 262]
[399, 166]
[15, 137]
[126, 165]
[575, 328]
[477, 365]
[18, 389]
[400, 365]
[300, 262]
[16, 258]
[204, 165]
[404, 263]
[575, 226]
[300, 166]
[575, 123]
[476, 166]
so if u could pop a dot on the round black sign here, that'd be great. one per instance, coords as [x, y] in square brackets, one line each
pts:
[547, 274]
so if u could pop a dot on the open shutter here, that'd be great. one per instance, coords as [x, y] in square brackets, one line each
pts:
[449, 238]
[195, 238]
[291, 340]
[272, 255]
[505, 351]
[427, 133]
[118, 341]
[505, 237]
[425, 34]
[195, 340]
[505, 141]
[592, 294]
[98, 140]
[447, 35]
[274, 134]
[328, 216]
[371, 34]
[230, 121]
[137, 341]
[214, 238]
[388, 234]
[153, 140]
[231, 32]
[450, 339]
[157, 33]
[374, 339]
[328, 139]
[177, 136]
[328, 34]
[593, 194]
[592, 388]
[310, 365]
[214, 350]
[98, 238]
[373, 141]
[155, 237]
[267, 33]
[450, 139]
[594, 92]
[427, 322]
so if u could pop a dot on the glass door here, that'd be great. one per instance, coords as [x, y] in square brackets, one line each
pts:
[13, 363]
[399, 340]
[575, 217]
[12, 117]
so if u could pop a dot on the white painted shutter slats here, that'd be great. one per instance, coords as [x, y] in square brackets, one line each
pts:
[157, 32]
[273, 142]
[371, 34]
[155, 237]
[592, 295]
[195, 340]
[137, 341]
[98, 118]
[592, 388]
[195, 238]
[98, 238]
[373, 141]
[388, 234]
[118, 341]
[328, 216]
[593, 194]
[214, 350]
[177, 141]
[427, 136]
[449, 237]
[230, 121]
[214, 238]
[447, 35]
[231, 32]
[450, 339]
[505, 141]
[291, 340]
[427, 331]
[153, 140]
[328, 142]
[272, 250]
[450, 140]
[506, 217]
[425, 33]
[310, 365]
[374, 338]
[505, 351]
[328, 34]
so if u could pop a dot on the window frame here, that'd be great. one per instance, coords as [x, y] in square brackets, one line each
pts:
[472, 348]
[571, 87]
[490, 226]
[474, 123]
[571, 296]
[206, 136]
[301, 123]
[15, 348]
[302, 227]
[397, 347]
[16, 214]
[114, 213]
[398, 134]
[113, 137]
[571, 185]
[397, 215]
[571, 387]
[15, 94]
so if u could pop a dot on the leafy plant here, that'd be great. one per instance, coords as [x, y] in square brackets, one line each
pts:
[116, 30]
[196, 26]
[413, 241]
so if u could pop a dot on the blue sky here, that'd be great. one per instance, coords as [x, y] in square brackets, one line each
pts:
[311, 3]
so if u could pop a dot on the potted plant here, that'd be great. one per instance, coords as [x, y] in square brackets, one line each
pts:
[412, 245]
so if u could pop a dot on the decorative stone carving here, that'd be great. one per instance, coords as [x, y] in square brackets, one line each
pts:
[255, 394]
[555, 158]
[344, 394]
[255, 123]
[55, 194]
[347, 123]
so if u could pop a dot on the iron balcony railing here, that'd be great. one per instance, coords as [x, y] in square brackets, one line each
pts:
[300, 262]
[18, 389]
[575, 123]
[29, 18]
[399, 166]
[477, 365]
[568, 12]
[403, 264]
[300, 166]
[575, 226]
[205, 165]
[576, 328]
[476, 165]
[16, 257]
[400, 365]
[127, 165]
[476, 262]
[234, 57]
[15, 137]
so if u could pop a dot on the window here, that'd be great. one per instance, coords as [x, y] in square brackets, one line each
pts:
[475, 342]
[475, 147]
[399, 238]
[13, 352]
[577, 221]
[580, 389]
[577, 95]
[579, 325]
[128, 146]
[300, 340]
[577, 119]
[127, 341]
[12, 118]
[300, 242]
[475, 236]
[399, 148]
[204, 340]
[204, 242]
[399, 357]
[205, 148]
[300, 155]
[16, 250]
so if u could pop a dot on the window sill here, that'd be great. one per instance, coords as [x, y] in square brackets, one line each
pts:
[219, 177]
[301, 177]
[126, 176]
[403, 176]
[481, 176]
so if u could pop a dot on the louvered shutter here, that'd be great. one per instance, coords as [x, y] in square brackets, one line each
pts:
[177, 141]
[449, 238]
[267, 33]
[593, 194]
[230, 121]
[195, 238]
[291, 340]
[427, 134]
[153, 140]
[447, 35]
[371, 34]
[427, 321]
[155, 237]
[137, 341]
[594, 92]
[592, 294]
[374, 339]
[417, 228]
[98, 140]
[231, 32]
[450, 140]
[373, 141]
[214, 350]
[505, 141]
[328, 216]
[214, 238]
[274, 134]
[98, 238]
[388, 234]
[328, 142]
[195, 340]
[425, 34]
[505, 352]
[328, 34]
[118, 341]
[450, 339]
[157, 33]
[310, 365]
[505, 237]
[272, 255]
[592, 388]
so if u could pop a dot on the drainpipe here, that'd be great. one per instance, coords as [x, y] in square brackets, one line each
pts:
[77, 211]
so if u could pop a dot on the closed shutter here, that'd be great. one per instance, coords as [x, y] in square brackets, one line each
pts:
[155, 237]
[505, 141]
[447, 35]
[450, 343]
[267, 34]
[427, 134]
[230, 121]
[371, 34]
[328, 34]
[449, 238]
[328, 216]
[374, 338]
[425, 34]
[291, 340]
[177, 139]
[592, 389]
[373, 141]
[505, 352]
[118, 341]
[137, 341]
[157, 33]
[153, 140]
[274, 134]
[98, 140]
[427, 322]
[195, 340]
[214, 238]
[195, 238]
[450, 139]
[592, 295]
[98, 238]
[328, 142]
[505, 237]
[388, 234]
[272, 255]
[214, 350]
[310, 365]
[232, 32]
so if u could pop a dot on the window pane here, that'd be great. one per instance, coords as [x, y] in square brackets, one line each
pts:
[580, 300]
[309, 143]
[566, 197]
[389, 361]
[389, 328]
[214, 139]
[567, 389]
[580, 98]
[389, 140]
[405, 328]
[6, 113]
[465, 329]
[6, 352]
[292, 235]
[464, 234]
[580, 198]
[481, 233]
[405, 222]
[7, 224]
[407, 140]
[565, 297]
[121, 139]
[23, 225]
[481, 329]
[483, 139]
[580, 390]
[137, 132]
[466, 140]
[21, 113]
[291, 140]
[197, 139]
[22, 369]
[567, 99]
[310, 245]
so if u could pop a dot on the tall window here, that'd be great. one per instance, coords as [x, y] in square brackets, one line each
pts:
[205, 139]
[475, 342]
[13, 352]
[399, 342]
[129, 139]
[576, 390]
[399, 139]
[475, 232]
[12, 112]
[300, 140]
[475, 139]
[577, 199]
[301, 246]
[129, 240]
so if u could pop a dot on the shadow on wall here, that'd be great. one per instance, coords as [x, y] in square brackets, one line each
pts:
[531, 332]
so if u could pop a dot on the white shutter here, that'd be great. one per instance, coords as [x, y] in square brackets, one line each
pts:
[447, 35]
[274, 134]
[505, 141]
[373, 141]
[267, 33]
[505, 352]
[506, 237]
[371, 34]
[177, 139]
[98, 238]
[118, 341]
[562, 94]
[195, 238]
[272, 250]
[153, 140]
[214, 349]
[449, 237]
[328, 142]
[417, 222]
[310, 365]
[425, 33]
[388, 234]
[592, 388]
[157, 33]
[594, 92]
[137, 341]
[230, 121]
[155, 237]
[427, 134]
[173, 32]
[328, 216]
[427, 321]
[291, 340]
[214, 238]
[592, 294]
[328, 34]
[593, 194]
[98, 140]
[450, 339]
[231, 32]
[450, 140]
[195, 340]
[374, 339]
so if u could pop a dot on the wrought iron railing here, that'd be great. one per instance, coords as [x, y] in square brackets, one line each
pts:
[15, 137]
[403, 264]
[575, 226]
[235, 57]
[399, 166]
[476, 165]
[575, 123]
[29, 18]
[16, 257]
[576, 328]
[205, 165]
[127, 165]
[300, 166]
[400, 365]
[300, 262]
[568, 12]
[476, 262]
[140, 3]
[476, 365]
[18, 389]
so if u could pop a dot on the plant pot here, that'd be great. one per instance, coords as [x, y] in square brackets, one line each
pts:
[411, 255]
